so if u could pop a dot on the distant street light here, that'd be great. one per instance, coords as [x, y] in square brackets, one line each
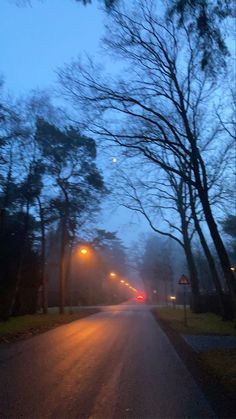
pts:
[122, 281]
[232, 268]
[112, 275]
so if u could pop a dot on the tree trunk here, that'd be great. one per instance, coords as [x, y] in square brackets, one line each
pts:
[68, 278]
[210, 260]
[44, 291]
[62, 267]
[15, 306]
[64, 241]
[200, 175]
[219, 245]
[182, 208]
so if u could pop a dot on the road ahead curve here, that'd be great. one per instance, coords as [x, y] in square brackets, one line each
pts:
[115, 364]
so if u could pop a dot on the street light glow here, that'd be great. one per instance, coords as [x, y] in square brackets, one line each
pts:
[172, 298]
[122, 281]
[84, 251]
[112, 274]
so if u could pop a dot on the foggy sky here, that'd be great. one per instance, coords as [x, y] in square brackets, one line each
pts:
[38, 39]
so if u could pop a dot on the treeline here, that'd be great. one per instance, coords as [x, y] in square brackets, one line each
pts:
[162, 262]
[50, 187]
[88, 269]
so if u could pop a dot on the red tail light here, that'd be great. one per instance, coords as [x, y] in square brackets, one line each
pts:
[140, 298]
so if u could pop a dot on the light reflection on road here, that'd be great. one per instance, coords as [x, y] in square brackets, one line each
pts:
[114, 364]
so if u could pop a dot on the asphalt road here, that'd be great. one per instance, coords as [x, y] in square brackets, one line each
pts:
[115, 364]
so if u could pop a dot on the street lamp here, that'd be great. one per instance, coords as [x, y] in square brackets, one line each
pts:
[112, 275]
[173, 299]
[84, 251]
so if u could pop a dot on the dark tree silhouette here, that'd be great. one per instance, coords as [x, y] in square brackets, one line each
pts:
[204, 19]
[70, 162]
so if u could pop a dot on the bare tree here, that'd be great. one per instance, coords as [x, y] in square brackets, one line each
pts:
[154, 111]
[164, 202]
[161, 195]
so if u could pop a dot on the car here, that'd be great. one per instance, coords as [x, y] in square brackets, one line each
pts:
[140, 298]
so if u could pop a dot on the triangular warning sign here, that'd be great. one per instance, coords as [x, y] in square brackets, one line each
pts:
[184, 280]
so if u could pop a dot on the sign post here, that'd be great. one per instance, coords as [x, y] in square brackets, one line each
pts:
[184, 281]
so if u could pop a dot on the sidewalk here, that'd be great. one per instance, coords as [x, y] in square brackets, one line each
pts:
[200, 343]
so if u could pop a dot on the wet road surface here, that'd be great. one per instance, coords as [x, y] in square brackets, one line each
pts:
[115, 364]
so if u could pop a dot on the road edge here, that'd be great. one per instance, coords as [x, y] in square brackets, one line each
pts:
[37, 330]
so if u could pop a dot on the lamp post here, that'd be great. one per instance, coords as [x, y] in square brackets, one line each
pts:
[81, 252]
[173, 299]
[184, 281]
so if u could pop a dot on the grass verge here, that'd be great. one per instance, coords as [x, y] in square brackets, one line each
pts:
[22, 327]
[214, 371]
[221, 365]
[197, 324]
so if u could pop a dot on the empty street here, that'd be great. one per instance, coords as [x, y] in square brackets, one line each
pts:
[115, 364]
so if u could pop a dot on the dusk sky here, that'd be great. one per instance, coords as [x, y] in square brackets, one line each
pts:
[37, 39]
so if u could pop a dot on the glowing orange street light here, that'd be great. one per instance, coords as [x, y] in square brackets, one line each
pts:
[122, 281]
[112, 275]
[127, 284]
[84, 251]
